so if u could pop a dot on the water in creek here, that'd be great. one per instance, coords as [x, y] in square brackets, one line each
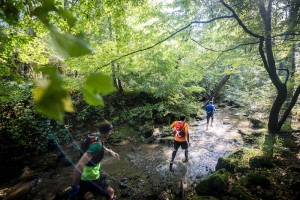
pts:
[150, 162]
[142, 172]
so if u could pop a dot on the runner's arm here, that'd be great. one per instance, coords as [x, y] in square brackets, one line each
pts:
[172, 127]
[85, 158]
[114, 154]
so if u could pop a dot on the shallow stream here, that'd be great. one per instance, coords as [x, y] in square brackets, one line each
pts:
[147, 165]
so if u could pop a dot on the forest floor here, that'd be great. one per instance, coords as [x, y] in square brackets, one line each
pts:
[282, 172]
[48, 177]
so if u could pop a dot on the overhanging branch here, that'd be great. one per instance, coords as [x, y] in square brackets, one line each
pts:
[240, 21]
[209, 49]
[163, 40]
[286, 34]
[221, 52]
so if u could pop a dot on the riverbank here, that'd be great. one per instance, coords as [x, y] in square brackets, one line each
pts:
[142, 172]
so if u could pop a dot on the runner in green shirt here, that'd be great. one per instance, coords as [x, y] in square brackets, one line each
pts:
[87, 177]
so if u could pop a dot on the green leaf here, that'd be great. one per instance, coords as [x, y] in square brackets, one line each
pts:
[67, 16]
[93, 99]
[69, 45]
[50, 97]
[95, 86]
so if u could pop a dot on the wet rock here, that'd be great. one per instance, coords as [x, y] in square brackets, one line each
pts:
[229, 164]
[3, 193]
[19, 190]
[241, 132]
[284, 151]
[26, 175]
[215, 185]
[226, 123]
[147, 133]
[254, 179]
[256, 123]
[198, 118]
[258, 133]
[123, 185]
[261, 162]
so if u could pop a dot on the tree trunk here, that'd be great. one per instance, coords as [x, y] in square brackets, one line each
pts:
[266, 53]
[220, 85]
[270, 66]
[217, 89]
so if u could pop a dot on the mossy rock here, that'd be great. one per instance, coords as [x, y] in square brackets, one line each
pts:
[256, 123]
[215, 185]
[254, 179]
[261, 161]
[229, 164]
[238, 193]
[238, 154]
[258, 133]
[249, 139]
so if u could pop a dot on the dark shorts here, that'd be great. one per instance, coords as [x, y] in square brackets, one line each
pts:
[183, 145]
[96, 187]
[210, 115]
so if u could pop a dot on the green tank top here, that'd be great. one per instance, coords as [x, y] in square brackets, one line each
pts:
[92, 172]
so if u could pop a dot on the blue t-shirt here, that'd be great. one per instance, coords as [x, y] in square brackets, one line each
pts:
[210, 109]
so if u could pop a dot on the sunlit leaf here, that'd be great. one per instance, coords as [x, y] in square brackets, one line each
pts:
[67, 16]
[69, 45]
[93, 99]
[95, 86]
[50, 97]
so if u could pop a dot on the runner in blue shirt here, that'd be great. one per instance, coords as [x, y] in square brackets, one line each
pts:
[210, 110]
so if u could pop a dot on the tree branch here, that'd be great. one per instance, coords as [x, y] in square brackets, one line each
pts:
[286, 34]
[287, 76]
[214, 61]
[163, 40]
[232, 48]
[289, 108]
[240, 21]
[204, 46]
[262, 54]
[221, 52]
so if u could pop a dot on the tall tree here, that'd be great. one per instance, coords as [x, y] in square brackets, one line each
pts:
[266, 46]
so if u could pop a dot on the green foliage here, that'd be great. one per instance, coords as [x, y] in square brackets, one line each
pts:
[95, 87]
[50, 96]
[23, 132]
[69, 45]
[286, 127]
